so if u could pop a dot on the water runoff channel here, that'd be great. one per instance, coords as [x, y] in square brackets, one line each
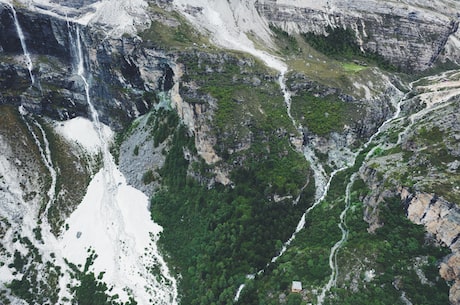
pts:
[229, 32]
[323, 180]
[134, 235]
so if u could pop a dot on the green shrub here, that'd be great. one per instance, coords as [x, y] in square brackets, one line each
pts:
[148, 177]
[341, 44]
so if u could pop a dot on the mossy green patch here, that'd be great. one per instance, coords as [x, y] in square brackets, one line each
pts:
[321, 115]
[353, 67]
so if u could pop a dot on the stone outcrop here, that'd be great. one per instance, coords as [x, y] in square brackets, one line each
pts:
[450, 271]
[442, 219]
[411, 36]
[338, 145]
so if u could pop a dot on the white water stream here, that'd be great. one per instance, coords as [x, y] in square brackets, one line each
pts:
[342, 225]
[45, 154]
[114, 221]
[229, 31]
[22, 39]
[444, 92]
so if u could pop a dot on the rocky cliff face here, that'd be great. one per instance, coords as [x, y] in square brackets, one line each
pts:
[409, 35]
[440, 218]
[113, 64]
[417, 161]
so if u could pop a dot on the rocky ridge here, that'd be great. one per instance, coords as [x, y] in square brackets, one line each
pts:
[409, 35]
[114, 63]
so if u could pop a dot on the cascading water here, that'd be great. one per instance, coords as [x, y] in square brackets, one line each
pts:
[450, 90]
[45, 154]
[229, 33]
[113, 220]
[342, 224]
[22, 39]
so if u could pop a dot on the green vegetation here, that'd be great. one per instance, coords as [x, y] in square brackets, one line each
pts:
[341, 44]
[38, 281]
[163, 123]
[224, 232]
[353, 67]
[321, 115]
[148, 177]
[171, 31]
[306, 259]
[69, 192]
[92, 290]
[392, 251]
[288, 44]
[247, 106]
[216, 235]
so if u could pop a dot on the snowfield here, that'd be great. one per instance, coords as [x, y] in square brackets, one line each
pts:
[113, 220]
[116, 16]
[81, 131]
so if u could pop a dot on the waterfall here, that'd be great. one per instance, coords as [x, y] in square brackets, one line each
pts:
[45, 154]
[342, 224]
[113, 220]
[23, 44]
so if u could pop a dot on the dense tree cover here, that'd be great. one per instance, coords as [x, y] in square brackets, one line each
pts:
[321, 115]
[306, 259]
[217, 235]
[285, 41]
[394, 247]
[392, 251]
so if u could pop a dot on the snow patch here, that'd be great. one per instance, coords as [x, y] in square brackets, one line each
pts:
[118, 16]
[83, 132]
[116, 224]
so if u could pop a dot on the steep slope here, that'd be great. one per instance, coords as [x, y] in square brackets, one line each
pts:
[264, 132]
[410, 34]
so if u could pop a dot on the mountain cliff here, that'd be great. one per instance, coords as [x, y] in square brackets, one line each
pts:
[277, 141]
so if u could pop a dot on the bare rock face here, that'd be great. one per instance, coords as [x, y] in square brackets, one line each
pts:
[439, 217]
[411, 36]
[442, 219]
[450, 271]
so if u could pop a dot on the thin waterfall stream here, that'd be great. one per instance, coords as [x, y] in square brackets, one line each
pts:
[45, 153]
[114, 220]
[22, 39]
[342, 224]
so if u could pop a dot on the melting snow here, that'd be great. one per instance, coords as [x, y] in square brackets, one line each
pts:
[113, 220]
[118, 231]
[82, 131]
[119, 16]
